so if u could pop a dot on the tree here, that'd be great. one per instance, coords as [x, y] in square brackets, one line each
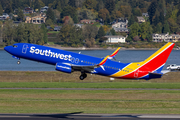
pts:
[161, 17]
[172, 25]
[110, 5]
[126, 10]
[70, 35]
[166, 27]
[20, 15]
[152, 10]
[90, 4]
[113, 32]
[67, 20]
[37, 5]
[89, 31]
[116, 14]
[101, 33]
[8, 33]
[100, 5]
[50, 15]
[145, 30]
[8, 8]
[103, 14]
[134, 30]
[1, 10]
[70, 11]
[49, 22]
[132, 20]
[72, 3]
[136, 12]
[86, 14]
[21, 35]
[44, 31]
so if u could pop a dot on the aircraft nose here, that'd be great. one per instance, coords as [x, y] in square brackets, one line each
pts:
[7, 48]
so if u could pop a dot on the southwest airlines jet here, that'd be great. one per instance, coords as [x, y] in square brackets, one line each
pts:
[68, 62]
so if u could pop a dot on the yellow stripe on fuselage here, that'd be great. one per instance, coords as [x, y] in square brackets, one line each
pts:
[134, 66]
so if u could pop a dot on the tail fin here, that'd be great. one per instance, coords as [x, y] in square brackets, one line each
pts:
[156, 62]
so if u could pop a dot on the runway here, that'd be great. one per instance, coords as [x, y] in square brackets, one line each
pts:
[79, 116]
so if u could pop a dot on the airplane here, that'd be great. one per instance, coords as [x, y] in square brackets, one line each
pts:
[68, 62]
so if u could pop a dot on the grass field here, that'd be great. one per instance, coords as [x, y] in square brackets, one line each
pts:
[90, 101]
[86, 101]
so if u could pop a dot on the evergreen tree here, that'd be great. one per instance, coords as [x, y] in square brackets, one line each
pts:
[110, 5]
[131, 20]
[166, 27]
[20, 15]
[1, 10]
[101, 33]
[152, 10]
[50, 15]
[113, 32]
[44, 31]
[72, 3]
[156, 20]
[161, 17]
[37, 5]
[70, 11]
[8, 8]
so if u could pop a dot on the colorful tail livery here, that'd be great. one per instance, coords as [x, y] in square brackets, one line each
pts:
[68, 62]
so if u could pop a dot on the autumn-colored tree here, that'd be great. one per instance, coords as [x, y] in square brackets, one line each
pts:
[126, 10]
[116, 14]
[105, 27]
[103, 14]
[67, 20]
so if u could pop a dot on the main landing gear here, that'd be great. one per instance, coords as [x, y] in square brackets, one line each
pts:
[82, 76]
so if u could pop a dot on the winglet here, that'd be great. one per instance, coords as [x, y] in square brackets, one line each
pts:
[115, 52]
[109, 57]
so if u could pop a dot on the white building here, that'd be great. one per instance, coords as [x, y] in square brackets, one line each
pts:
[161, 37]
[115, 39]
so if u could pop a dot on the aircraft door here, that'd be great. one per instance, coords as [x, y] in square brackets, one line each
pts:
[136, 73]
[24, 49]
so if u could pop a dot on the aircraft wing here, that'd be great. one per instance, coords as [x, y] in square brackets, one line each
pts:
[88, 68]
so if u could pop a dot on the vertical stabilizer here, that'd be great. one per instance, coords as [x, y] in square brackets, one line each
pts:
[156, 61]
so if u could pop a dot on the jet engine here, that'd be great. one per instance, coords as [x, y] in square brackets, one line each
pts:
[63, 68]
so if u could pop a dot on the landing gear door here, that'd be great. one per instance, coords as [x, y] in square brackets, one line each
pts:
[24, 49]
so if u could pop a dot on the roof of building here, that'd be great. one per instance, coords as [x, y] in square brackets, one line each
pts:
[114, 36]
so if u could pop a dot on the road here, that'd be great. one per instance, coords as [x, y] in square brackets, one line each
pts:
[89, 89]
[79, 116]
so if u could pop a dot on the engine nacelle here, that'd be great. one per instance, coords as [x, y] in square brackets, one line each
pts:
[63, 68]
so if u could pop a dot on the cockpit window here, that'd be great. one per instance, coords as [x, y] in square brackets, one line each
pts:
[15, 46]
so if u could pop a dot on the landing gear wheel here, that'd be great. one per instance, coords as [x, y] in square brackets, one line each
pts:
[18, 62]
[82, 76]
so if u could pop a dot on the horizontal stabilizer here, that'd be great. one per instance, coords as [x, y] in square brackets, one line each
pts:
[155, 75]
[165, 71]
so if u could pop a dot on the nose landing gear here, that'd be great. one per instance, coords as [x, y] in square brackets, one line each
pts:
[82, 76]
[18, 62]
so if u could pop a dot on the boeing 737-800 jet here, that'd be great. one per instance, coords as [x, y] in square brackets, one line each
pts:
[68, 62]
